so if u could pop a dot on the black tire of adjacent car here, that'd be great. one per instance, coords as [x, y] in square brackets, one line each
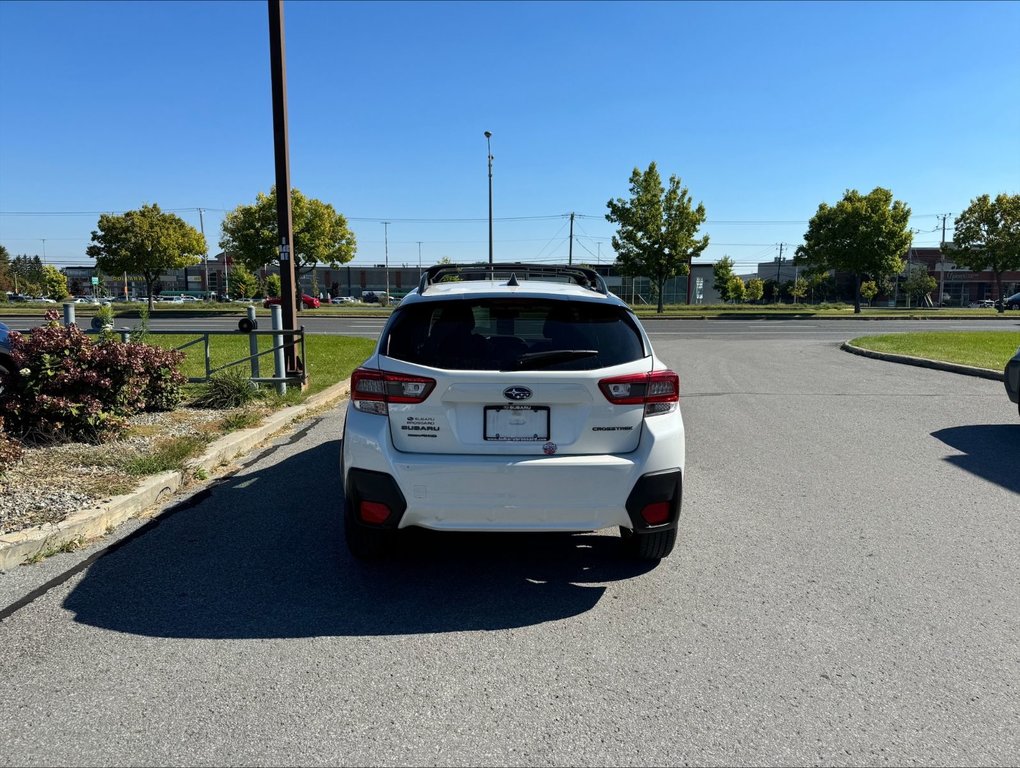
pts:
[364, 542]
[653, 545]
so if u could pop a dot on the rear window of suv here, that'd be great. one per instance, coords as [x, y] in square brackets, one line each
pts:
[513, 334]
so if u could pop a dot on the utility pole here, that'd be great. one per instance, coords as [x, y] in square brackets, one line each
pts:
[779, 262]
[570, 250]
[201, 226]
[942, 259]
[598, 257]
[419, 259]
[284, 214]
[488, 146]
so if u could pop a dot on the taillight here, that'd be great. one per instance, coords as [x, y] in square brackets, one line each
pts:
[658, 391]
[372, 391]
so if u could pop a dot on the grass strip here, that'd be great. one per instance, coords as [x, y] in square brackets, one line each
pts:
[330, 358]
[981, 349]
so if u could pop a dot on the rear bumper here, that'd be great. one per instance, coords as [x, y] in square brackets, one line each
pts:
[522, 493]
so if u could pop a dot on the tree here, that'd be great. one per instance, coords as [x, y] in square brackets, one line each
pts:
[799, 289]
[755, 290]
[146, 242]
[918, 282]
[722, 271]
[6, 276]
[27, 273]
[273, 285]
[54, 283]
[655, 238]
[869, 290]
[861, 234]
[987, 236]
[736, 289]
[321, 235]
[243, 283]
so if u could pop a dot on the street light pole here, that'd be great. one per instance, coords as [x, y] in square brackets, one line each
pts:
[386, 252]
[488, 146]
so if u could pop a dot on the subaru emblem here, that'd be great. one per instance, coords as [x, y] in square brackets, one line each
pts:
[516, 393]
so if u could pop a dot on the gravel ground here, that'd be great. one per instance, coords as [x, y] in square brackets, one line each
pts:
[50, 483]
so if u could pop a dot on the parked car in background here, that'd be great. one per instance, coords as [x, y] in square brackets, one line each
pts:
[5, 350]
[1012, 302]
[374, 297]
[343, 300]
[1012, 380]
[515, 403]
[309, 302]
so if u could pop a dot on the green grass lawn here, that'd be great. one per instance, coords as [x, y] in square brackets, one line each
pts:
[329, 358]
[981, 349]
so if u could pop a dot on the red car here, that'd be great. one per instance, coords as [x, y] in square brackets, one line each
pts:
[309, 302]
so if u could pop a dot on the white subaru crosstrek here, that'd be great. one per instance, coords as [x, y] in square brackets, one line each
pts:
[513, 397]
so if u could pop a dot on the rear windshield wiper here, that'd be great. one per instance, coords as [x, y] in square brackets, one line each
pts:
[531, 360]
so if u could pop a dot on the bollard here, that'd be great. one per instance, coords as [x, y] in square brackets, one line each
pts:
[253, 345]
[68, 314]
[277, 341]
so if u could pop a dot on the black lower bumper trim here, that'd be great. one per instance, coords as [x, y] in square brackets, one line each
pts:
[652, 489]
[366, 485]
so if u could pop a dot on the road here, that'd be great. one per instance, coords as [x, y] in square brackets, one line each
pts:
[817, 329]
[844, 592]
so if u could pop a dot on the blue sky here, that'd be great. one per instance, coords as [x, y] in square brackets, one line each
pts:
[764, 110]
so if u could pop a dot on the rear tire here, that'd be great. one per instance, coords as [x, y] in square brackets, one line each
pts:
[363, 541]
[653, 545]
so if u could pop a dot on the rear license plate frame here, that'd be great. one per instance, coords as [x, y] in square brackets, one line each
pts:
[541, 429]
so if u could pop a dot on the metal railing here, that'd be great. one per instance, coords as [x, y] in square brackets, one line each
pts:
[282, 339]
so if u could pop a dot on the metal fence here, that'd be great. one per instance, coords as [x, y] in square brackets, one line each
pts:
[282, 339]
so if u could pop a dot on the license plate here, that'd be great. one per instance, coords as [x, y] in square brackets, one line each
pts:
[517, 423]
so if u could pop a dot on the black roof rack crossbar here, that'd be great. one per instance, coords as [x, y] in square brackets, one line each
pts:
[583, 276]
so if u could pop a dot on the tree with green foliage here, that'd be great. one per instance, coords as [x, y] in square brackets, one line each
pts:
[755, 289]
[799, 289]
[6, 276]
[918, 282]
[272, 285]
[722, 271]
[243, 284]
[865, 235]
[869, 290]
[54, 283]
[27, 274]
[987, 237]
[735, 289]
[657, 227]
[145, 242]
[321, 235]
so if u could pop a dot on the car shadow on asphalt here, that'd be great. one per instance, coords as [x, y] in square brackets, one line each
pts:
[990, 451]
[262, 555]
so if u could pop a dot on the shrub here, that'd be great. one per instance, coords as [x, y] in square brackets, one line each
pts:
[229, 389]
[65, 387]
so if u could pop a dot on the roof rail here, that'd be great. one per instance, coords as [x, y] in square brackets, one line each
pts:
[583, 276]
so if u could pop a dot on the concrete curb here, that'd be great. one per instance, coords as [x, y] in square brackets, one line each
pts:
[967, 370]
[92, 523]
